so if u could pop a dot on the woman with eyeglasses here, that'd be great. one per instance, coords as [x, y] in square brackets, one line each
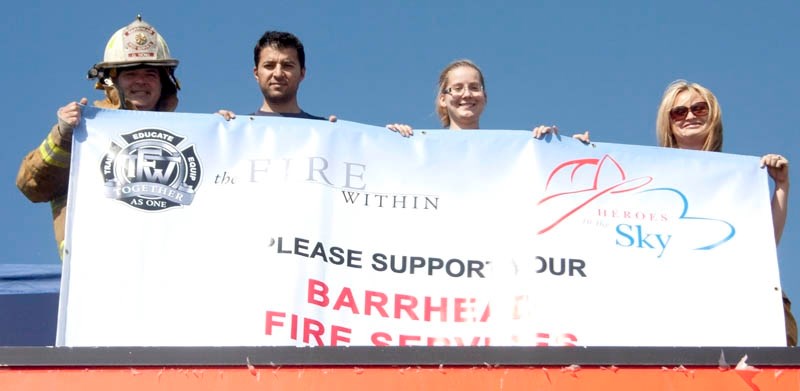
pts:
[689, 117]
[461, 99]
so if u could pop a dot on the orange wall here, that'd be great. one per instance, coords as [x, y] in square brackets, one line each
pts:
[409, 378]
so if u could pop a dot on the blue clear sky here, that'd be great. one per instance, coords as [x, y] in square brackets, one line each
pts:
[576, 64]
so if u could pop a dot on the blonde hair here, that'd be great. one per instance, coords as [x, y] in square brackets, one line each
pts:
[443, 79]
[664, 125]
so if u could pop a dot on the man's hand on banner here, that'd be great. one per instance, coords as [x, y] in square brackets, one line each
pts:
[227, 114]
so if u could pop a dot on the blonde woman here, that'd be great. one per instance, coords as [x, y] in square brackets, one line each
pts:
[689, 117]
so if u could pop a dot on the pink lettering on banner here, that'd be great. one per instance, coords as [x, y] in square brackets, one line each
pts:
[385, 339]
[397, 305]
[402, 307]
[308, 328]
[546, 339]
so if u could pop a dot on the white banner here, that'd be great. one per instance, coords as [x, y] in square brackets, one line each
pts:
[185, 229]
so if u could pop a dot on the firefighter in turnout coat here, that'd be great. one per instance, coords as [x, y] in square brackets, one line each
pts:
[137, 73]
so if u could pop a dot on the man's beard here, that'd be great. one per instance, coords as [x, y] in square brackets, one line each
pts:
[280, 98]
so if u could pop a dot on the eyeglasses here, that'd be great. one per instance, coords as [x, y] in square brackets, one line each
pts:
[460, 89]
[679, 113]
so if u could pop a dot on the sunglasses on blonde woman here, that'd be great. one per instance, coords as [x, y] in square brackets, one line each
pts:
[679, 113]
